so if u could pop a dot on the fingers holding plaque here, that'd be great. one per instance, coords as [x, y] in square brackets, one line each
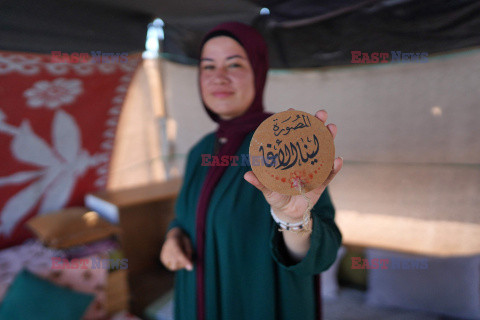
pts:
[292, 151]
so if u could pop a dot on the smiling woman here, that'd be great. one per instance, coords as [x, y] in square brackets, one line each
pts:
[226, 77]
[232, 262]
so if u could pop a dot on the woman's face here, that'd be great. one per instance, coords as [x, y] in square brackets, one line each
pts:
[226, 77]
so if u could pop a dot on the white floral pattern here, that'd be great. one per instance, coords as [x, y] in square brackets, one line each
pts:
[53, 94]
[28, 64]
[19, 63]
[59, 168]
[61, 162]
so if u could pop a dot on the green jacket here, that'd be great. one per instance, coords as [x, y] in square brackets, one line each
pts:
[248, 272]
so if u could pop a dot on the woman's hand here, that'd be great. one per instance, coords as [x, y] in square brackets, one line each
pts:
[291, 208]
[176, 252]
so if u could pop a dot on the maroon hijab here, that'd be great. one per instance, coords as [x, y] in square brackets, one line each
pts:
[233, 130]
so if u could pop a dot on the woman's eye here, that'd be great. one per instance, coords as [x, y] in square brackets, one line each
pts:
[208, 67]
[235, 65]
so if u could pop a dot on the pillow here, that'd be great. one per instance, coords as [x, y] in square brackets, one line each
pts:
[105, 246]
[349, 276]
[330, 277]
[162, 308]
[125, 315]
[50, 264]
[82, 276]
[449, 286]
[30, 297]
[31, 254]
[71, 227]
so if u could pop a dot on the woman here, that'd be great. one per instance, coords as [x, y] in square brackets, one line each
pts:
[231, 260]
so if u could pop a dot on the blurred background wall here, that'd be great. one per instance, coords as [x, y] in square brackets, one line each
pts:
[408, 133]
[418, 113]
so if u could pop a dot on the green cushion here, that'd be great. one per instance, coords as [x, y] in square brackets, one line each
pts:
[349, 277]
[31, 297]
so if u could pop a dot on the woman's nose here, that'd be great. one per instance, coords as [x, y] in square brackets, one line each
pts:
[220, 76]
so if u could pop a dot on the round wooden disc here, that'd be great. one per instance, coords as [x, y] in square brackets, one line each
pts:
[289, 148]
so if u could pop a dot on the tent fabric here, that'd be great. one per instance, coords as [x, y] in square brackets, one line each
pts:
[73, 26]
[300, 33]
[140, 154]
[382, 26]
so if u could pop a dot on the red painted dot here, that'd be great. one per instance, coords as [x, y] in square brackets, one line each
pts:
[310, 175]
[283, 179]
[315, 171]
[276, 178]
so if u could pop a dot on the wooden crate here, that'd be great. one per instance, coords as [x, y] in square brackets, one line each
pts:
[144, 214]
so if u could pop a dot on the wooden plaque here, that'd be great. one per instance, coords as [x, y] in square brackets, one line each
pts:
[291, 148]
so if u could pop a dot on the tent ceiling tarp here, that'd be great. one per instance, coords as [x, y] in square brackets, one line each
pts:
[300, 33]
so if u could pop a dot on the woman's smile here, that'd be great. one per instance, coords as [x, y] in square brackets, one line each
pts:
[226, 78]
[222, 94]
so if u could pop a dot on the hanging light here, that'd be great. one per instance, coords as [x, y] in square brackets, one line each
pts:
[264, 11]
[155, 34]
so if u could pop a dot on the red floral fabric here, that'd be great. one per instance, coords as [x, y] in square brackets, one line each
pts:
[57, 127]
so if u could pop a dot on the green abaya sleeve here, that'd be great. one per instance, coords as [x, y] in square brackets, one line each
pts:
[325, 240]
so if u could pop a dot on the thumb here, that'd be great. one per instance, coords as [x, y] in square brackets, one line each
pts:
[251, 178]
[184, 262]
[185, 256]
[187, 248]
[337, 166]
